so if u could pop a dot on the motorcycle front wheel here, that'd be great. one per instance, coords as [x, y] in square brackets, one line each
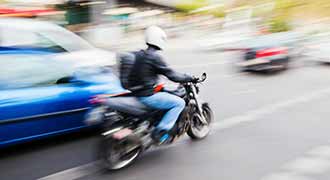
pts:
[116, 155]
[197, 129]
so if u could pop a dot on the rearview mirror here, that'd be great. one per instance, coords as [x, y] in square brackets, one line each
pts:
[203, 77]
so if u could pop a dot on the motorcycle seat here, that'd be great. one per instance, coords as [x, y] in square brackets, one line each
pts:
[130, 105]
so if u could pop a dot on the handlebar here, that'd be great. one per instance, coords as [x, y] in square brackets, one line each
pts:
[202, 78]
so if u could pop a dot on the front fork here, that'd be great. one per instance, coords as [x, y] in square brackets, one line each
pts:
[199, 105]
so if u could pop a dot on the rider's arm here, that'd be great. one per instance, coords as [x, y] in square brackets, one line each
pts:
[163, 69]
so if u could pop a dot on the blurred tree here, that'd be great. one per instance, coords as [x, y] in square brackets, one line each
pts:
[77, 14]
[187, 6]
[76, 11]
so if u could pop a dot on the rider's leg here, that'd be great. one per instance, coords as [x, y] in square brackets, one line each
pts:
[165, 101]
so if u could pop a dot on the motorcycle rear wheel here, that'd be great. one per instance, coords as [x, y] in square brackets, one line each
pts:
[197, 130]
[112, 157]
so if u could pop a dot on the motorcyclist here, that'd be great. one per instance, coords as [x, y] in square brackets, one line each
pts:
[145, 73]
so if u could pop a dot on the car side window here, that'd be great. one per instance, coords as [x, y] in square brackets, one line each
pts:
[24, 71]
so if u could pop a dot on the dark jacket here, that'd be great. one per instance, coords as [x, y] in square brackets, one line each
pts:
[145, 72]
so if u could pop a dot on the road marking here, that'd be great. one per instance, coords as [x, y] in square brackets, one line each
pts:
[74, 173]
[308, 165]
[84, 170]
[261, 112]
[314, 162]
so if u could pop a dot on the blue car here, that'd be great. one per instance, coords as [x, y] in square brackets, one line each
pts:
[41, 97]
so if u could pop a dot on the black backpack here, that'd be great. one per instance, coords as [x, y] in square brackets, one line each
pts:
[126, 65]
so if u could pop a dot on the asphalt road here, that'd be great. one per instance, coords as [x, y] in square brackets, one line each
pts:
[267, 127]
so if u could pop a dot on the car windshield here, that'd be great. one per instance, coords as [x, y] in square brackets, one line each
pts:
[67, 40]
[19, 71]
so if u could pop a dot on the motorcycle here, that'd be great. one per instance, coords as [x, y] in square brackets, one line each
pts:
[128, 124]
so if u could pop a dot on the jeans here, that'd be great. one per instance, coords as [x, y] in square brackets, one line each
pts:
[165, 101]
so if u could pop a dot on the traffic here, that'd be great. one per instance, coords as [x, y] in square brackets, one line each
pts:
[95, 90]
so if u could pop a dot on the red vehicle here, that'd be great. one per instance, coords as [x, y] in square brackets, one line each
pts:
[269, 52]
[263, 59]
[25, 12]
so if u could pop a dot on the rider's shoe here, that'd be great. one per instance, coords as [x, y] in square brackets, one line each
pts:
[160, 137]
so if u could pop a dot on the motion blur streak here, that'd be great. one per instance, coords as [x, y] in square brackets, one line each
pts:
[268, 85]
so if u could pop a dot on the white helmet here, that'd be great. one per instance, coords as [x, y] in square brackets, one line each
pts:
[154, 35]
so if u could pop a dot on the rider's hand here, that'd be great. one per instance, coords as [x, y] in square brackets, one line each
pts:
[194, 79]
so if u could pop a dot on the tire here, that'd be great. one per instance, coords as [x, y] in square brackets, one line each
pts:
[107, 151]
[197, 131]
[286, 66]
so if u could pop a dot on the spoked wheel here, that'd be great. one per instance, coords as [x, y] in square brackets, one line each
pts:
[197, 129]
[117, 155]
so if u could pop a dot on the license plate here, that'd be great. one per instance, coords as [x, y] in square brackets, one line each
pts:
[122, 133]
